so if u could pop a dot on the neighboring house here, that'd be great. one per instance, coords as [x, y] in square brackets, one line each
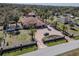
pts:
[12, 27]
[66, 20]
[63, 19]
[31, 19]
[68, 15]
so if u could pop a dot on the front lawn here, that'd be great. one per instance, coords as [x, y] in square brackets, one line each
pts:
[56, 43]
[52, 43]
[76, 37]
[23, 36]
[19, 52]
[20, 38]
[30, 49]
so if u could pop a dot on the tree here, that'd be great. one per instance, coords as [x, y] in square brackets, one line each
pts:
[55, 24]
[26, 10]
[14, 18]
[1, 52]
[51, 18]
[4, 29]
[21, 47]
[64, 28]
[33, 30]
[1, 39]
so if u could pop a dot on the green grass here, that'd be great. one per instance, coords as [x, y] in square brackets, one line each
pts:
[1, 36]
[50, 36]
[1, 33]
[55, 43]
[19, 52]
[23, 35]
[60, 25]
[76, 37]
[30, 49]
[52, 43]
[52, 21]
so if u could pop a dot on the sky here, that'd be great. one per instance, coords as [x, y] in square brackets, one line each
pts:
[58, 4]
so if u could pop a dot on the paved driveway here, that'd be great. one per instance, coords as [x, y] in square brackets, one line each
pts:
[39, 35]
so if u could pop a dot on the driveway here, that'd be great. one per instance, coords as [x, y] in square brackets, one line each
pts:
[39, 35]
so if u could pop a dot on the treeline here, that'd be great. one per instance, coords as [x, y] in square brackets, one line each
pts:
[9, 11]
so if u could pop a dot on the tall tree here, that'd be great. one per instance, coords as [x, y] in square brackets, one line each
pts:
[15, 18]
[33, 30]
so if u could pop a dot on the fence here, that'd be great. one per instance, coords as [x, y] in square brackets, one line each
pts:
[64, 32]
[13, 48]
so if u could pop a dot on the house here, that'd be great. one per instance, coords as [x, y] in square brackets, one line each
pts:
[31, 19]
[68, 15]
[12, 27]
[63, 19]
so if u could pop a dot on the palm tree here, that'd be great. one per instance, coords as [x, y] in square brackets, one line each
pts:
[33, 30]
[1, 39]
[1, 52]
[21, 47]
[64, 28]
[55, 24]
[4, 28]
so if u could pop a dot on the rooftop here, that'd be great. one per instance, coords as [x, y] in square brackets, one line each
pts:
[32, 20]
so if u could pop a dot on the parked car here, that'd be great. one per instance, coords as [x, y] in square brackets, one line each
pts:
[46, 34]
[49, 29]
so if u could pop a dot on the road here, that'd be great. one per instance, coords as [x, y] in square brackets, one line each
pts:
[55, 50]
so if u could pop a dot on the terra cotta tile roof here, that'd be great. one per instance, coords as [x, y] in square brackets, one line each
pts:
[32, 20]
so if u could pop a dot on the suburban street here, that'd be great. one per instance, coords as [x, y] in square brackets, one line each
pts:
[55, 50]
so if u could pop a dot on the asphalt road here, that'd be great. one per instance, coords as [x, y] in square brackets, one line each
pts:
[55, 50]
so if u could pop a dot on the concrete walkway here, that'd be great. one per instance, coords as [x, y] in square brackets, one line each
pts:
[56, 32]
[39, 35]
[55, 50]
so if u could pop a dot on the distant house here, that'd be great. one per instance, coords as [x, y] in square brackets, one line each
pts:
[31, 19]
[68, 15]
[12, 27]
[63, 19]
[76, 18]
